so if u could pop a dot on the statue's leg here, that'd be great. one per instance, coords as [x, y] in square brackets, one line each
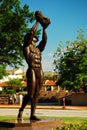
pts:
[31, 82]
[34, 100]
[24, 103]
[32, 91]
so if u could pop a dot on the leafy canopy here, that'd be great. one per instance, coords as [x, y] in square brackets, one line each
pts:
[71, 64]
[14, 22]
[3, 71]
[14, 84]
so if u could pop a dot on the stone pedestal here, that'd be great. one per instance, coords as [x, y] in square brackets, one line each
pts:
[35, 125]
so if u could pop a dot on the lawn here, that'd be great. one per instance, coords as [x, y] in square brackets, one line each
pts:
[67, 120]
[74, 123]
[71, 123]
[7, 118]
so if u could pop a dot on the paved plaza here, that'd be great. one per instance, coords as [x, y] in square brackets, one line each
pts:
[51, 111]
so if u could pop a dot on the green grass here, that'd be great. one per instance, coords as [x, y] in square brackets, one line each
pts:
[74, 120]
[7, 118]
[67, 120]
[71, 123]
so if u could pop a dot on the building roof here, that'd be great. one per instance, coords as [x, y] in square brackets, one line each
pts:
[50, 82]
[3, 85]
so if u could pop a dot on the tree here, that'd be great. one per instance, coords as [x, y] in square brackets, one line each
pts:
[3, 71]
[14, 84]
[14, 22]
[71, 64]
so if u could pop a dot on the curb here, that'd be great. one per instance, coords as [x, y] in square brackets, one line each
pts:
[47, 107]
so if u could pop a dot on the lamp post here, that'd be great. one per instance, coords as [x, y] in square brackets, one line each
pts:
[64, 103]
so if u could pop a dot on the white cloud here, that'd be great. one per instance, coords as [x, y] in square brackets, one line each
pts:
[50, 54]
[47, 65]
[47, 62]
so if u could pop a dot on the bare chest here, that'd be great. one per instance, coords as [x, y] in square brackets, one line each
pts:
[34, 50]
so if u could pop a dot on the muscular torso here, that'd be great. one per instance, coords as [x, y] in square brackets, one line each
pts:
[33, 57]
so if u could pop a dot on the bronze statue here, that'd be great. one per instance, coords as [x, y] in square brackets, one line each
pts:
[34, 72]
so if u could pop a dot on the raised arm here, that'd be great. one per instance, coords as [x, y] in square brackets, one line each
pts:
[44, 21]
[33, 30]
[43, 42]
[29, 36]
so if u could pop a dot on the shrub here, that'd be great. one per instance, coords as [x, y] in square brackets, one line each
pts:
[11, 91]
[82, 126]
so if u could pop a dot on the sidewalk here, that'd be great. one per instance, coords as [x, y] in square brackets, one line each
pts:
[45, 107]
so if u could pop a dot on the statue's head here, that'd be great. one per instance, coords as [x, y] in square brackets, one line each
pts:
[36, 38]
[26, 39]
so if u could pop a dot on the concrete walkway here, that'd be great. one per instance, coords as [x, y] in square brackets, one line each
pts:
[45, 112]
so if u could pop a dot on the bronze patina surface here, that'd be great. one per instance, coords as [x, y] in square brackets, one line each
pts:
[32, 54]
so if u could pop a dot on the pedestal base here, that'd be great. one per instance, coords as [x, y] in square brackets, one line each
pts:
[46, 124]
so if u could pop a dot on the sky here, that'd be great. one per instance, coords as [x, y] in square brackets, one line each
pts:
[66, 16]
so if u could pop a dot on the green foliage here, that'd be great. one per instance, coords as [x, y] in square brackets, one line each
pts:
[14, 22]
[11, 91]
[82, 126]
[3, 71]
[71, 63]
[73, 123]
[14, 84]
[3, 92]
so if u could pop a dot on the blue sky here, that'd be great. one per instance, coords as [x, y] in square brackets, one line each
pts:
[67, 16]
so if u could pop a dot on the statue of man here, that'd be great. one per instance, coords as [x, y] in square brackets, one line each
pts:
[34, 72]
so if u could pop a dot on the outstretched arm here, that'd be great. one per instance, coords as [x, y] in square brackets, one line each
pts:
[33, 30]
[29, 36]
[43, 42]
[28, 40]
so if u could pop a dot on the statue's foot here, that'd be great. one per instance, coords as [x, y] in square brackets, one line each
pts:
[19, 117]
[34, 118]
